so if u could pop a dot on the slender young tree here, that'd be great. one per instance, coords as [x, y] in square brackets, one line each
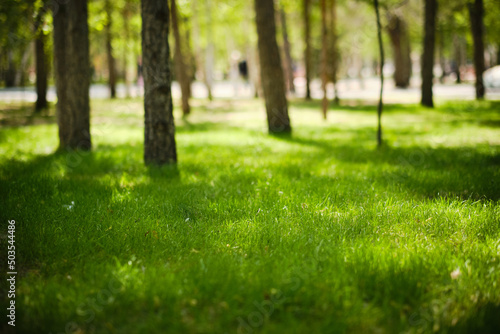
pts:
[181, 71]
[476, 13]
[159, 129]
[428, 56]
[72, 73]
[307, 51]
[109, 49]
[273, 82]
[382, 60]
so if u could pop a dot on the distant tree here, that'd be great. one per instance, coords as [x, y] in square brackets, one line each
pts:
[181, 71]
[307, 51]
[333, 53]
[159, 129]
[72, 74]
[109, 48]
[271, 71]
[430, 11]
[476, 13]
[287, 51]
[382, 60]
[324, 58]
[400, 41]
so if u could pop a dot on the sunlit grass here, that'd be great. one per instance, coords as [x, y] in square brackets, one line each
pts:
[316, 232]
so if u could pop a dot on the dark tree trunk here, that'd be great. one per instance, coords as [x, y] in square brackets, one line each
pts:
[400, 41]
[10, 73]
[476, 12]
[459, 54]
[382, 60]
[109, 51]
[271, 71]
[181, 71]
[307, 51]
[428, 56]
[72, 73]
[159, 129]
[41, 72]
[324, 56]
[287, 52]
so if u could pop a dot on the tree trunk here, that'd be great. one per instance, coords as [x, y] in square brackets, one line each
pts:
[271, 70]
[109, 50]
[324, 56]
[159, 129]
[10, 73]
[333, 53]
[180, 66]
[209, 54]
[476, 12]
[72, 73]
[126, 35]
[382, 60]
[400, 41]
[428, 56]
[307, 51]
[41, 65]
[287, 52]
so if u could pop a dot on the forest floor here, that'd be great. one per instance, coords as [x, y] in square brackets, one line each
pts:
[317, 232]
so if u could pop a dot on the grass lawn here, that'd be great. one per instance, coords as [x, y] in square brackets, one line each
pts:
[318, 232]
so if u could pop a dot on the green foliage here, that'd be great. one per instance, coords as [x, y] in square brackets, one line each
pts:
[317, 232]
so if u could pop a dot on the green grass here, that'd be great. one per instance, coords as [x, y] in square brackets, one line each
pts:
[318, 232]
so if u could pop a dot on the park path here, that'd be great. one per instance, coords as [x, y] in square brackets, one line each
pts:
[366, 90]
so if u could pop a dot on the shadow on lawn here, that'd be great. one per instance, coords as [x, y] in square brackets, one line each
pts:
[442, 171]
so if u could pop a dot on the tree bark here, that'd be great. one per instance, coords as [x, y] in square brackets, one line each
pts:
[109, 50]
[271, 71]
[72, 73]
[400, 41]
[180, 67]
[41, 65]
[159, 129]
[382, 60]
[287, 52]
[324, 56]
[307, 51]
[476, 13]
[428, 55]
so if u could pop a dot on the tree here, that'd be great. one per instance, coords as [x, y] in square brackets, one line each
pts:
[476, 13]
[41, 59]
[400, 41]
[181, 71]
[333, 50]
[286, 51]
[307, 50]
[381, 49]
[72, 74]
[109, 49]
[159, 129]
[324, 56]
[430, 10]
[271, 71]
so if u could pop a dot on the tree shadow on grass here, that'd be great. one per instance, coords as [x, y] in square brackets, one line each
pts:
[431, 172]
